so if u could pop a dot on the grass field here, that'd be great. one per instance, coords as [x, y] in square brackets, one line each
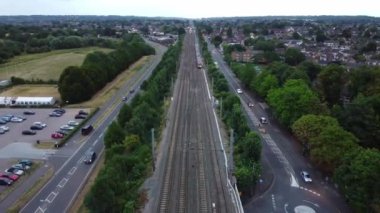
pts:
[34, 90]
[47, 65]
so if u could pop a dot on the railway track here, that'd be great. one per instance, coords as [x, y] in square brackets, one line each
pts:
[193, 179]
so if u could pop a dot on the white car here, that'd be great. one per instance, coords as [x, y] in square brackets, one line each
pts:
[306, 177]
[67, 127]
[239, 91]
[5, 128]
[73, 123]
[17, 120]
[38, 123]
[15, 171]
[263, 120]
[251, 105]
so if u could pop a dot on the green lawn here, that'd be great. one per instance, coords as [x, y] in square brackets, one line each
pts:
[47, 65]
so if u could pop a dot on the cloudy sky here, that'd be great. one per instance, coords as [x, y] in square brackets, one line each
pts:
[190, 8]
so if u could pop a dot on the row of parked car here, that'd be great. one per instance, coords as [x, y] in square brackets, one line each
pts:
[12, 118]
[13, 173]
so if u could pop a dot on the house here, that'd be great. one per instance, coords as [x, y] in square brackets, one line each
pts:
[246, 56]
[27, 101]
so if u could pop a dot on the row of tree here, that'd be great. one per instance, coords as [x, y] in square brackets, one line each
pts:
[127, 141]
[77, 84]
[335, 115]
[247, 143]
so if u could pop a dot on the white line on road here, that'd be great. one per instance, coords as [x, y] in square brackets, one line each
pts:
[293, 181]
[101, 135]
[274, 203]
[72, 170]
[51, 197]
[40, 210]
[63, 182]
[95, 142]
[315, 204]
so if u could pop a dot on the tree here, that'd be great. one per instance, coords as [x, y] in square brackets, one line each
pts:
[358, 178]
[125, 115]
[294, 100]
[329, 147]
[293, 56]
[264, 83]
[249, 147]
[114, 135]
[330, 82]
[229, 32]
[320, 36]
[311, 69]
[310, 126]
[217, 40]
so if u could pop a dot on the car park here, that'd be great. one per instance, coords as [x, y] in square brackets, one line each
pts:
[10, 176]
[66, 127]
[28, 112]
[36, 127]
[15, 171]
[57, 135]
[89, 157]
[5, 128]
[306, 177]
[29, 132]
[73, 123]
[5, 181]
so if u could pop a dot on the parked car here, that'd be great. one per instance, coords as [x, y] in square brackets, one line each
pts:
[57, 135]
[38, 123]
[63, 132]
[5, 128]
[82, 112]
[132, 91]
[36, 127]
[73, 123]
[29, 112]
[55, 114]
[2, 131]
[80, 116]
[15, 171]
[60, 111]
[66, 127]
[2, 121]
[29, 132]
[90, 157]
[5, 181]
[21, 117]
[9, 176]
[26, 162]
[306, 177]
[21, 166]
[17, 120]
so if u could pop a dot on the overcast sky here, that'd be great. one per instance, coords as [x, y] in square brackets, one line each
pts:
[190, 8]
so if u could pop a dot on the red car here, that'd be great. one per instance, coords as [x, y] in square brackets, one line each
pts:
[10, 176]
[57, 135]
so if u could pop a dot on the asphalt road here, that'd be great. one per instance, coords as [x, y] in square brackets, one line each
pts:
[283, 158]
[58, 194]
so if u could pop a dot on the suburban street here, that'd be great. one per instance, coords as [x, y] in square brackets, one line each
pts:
[71, 174]
[282, 157]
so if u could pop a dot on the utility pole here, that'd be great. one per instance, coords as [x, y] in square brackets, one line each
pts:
[221, 108]
[231, 151]
[153, 148]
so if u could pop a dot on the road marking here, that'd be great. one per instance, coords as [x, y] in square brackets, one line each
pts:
[72, 170]
[95, 142]
[80, 160]
[293, 181]
[40, 210]
[315, 204]
[101, 135]
[314, 192]
[285, 207]
[50, 198]
[63, 182]
[274, 203]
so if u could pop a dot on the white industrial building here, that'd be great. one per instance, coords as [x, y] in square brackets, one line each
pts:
[27, 101]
